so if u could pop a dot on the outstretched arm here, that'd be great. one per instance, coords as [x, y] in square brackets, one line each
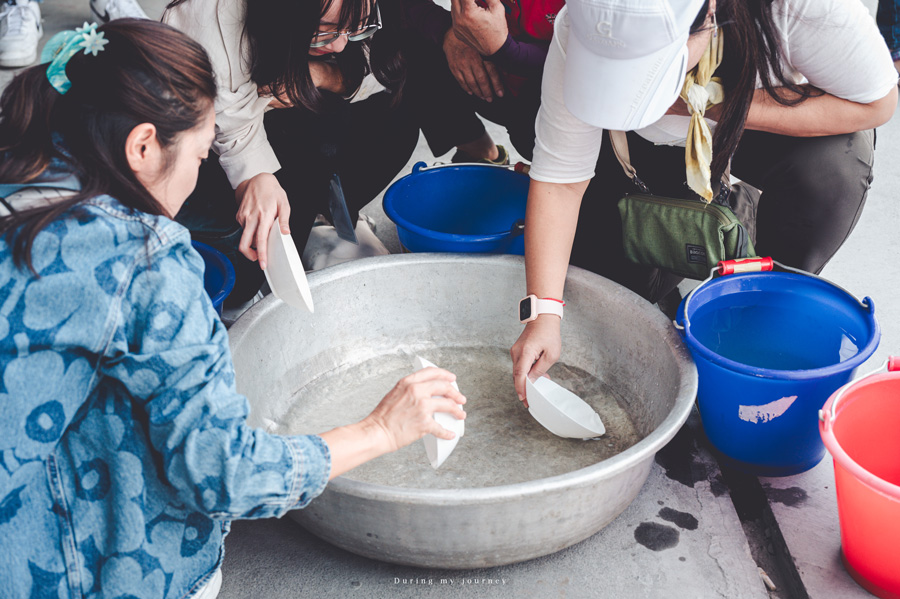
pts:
[550, 221]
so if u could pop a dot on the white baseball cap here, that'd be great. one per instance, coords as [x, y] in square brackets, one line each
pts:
[626, 59]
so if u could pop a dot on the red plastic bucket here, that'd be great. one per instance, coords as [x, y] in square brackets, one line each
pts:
[860, 425]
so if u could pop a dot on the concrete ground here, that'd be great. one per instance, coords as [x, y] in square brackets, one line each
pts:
[788, 526]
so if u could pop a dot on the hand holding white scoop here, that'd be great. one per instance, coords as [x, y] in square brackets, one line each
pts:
[438, 450]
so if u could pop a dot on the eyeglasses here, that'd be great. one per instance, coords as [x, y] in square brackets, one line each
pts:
[323, 38]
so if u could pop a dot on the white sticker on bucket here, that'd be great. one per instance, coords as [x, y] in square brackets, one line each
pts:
[767, 412]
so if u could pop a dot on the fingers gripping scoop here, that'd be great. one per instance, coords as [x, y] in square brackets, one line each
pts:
[438, 450]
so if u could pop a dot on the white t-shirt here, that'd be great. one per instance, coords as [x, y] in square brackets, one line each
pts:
[831, 44]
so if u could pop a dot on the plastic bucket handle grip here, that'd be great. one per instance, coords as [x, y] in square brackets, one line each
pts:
[727, 267]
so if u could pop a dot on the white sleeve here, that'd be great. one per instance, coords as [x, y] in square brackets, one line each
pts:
[565, 148]
[241, 141]
[836, 46]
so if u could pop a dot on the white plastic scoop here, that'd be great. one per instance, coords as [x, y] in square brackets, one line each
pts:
[438, 450]
[285, 273]
[560, 411]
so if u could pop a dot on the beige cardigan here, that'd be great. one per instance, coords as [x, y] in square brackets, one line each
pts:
[241, 141]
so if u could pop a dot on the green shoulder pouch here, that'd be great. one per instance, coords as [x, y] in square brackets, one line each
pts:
[686, 237]
[683, 236]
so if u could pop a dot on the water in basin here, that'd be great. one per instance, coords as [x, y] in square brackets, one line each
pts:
[502, 445]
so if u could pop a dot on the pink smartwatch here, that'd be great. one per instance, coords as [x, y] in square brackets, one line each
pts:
[533, 306]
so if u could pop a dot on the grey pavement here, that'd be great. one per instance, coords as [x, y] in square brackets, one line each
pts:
[717, 546]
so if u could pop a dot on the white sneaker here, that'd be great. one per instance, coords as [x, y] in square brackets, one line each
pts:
[109, 10]
[20, 30]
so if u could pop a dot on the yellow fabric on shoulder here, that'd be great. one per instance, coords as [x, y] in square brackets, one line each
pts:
[701, 90]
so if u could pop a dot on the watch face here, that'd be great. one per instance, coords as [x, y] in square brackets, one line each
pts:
[525, 309]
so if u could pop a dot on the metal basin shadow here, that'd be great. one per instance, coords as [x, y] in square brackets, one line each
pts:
[369, 307]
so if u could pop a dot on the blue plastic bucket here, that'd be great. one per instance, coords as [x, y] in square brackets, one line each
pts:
[770, 348]
[459, 209]
[218, 277]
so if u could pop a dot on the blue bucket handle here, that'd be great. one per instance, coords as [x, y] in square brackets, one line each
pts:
[727, 267]
[422, 166]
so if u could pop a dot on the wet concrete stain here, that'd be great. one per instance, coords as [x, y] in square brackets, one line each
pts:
[656, 537]
[680, 461]
[791, 497]
[680, 519]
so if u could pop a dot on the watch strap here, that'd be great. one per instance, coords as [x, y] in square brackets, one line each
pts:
[549, 306]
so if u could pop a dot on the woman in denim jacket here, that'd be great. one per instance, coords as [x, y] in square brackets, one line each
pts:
[123, 445]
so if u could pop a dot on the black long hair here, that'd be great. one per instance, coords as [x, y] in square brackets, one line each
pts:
[752, 50]
[147, 73]
[278, 33]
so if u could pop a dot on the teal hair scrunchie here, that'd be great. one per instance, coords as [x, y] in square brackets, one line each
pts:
[66, 44]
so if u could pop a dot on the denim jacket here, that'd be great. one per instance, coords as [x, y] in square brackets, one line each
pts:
[123, 445]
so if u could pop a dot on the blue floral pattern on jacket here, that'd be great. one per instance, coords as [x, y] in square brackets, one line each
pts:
[123, 445]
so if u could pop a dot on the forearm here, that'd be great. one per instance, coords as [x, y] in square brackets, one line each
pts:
[819, 115]
[520, 58]
[247, 473]
[550, 222]
[355, 444]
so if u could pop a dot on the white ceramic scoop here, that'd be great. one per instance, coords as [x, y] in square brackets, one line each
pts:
[438, 450]
[560, 411]
[285, 273]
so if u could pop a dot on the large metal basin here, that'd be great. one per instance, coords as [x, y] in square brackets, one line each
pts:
[369, 307]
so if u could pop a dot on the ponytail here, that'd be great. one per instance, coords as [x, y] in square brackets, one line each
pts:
[147, 73]
[25, 128]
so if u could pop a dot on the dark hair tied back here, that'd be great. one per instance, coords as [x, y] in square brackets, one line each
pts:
[147, 73]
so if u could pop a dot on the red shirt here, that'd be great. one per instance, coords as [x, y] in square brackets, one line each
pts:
[532, 18]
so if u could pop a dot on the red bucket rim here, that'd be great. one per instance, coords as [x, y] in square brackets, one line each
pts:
[841, 457]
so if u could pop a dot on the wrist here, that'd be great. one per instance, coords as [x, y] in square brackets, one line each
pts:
[545, 319]
[449, 36]
[503, 51]
[532, 307]
[499, 40]
[376, 435]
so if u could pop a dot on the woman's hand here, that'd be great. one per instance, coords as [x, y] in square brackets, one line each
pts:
[405, 415]
[483, 28]
[475, 75]
[535, 351]
[279, 97]
[261, 201]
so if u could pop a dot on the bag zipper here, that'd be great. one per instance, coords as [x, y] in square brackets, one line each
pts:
[690, 204]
